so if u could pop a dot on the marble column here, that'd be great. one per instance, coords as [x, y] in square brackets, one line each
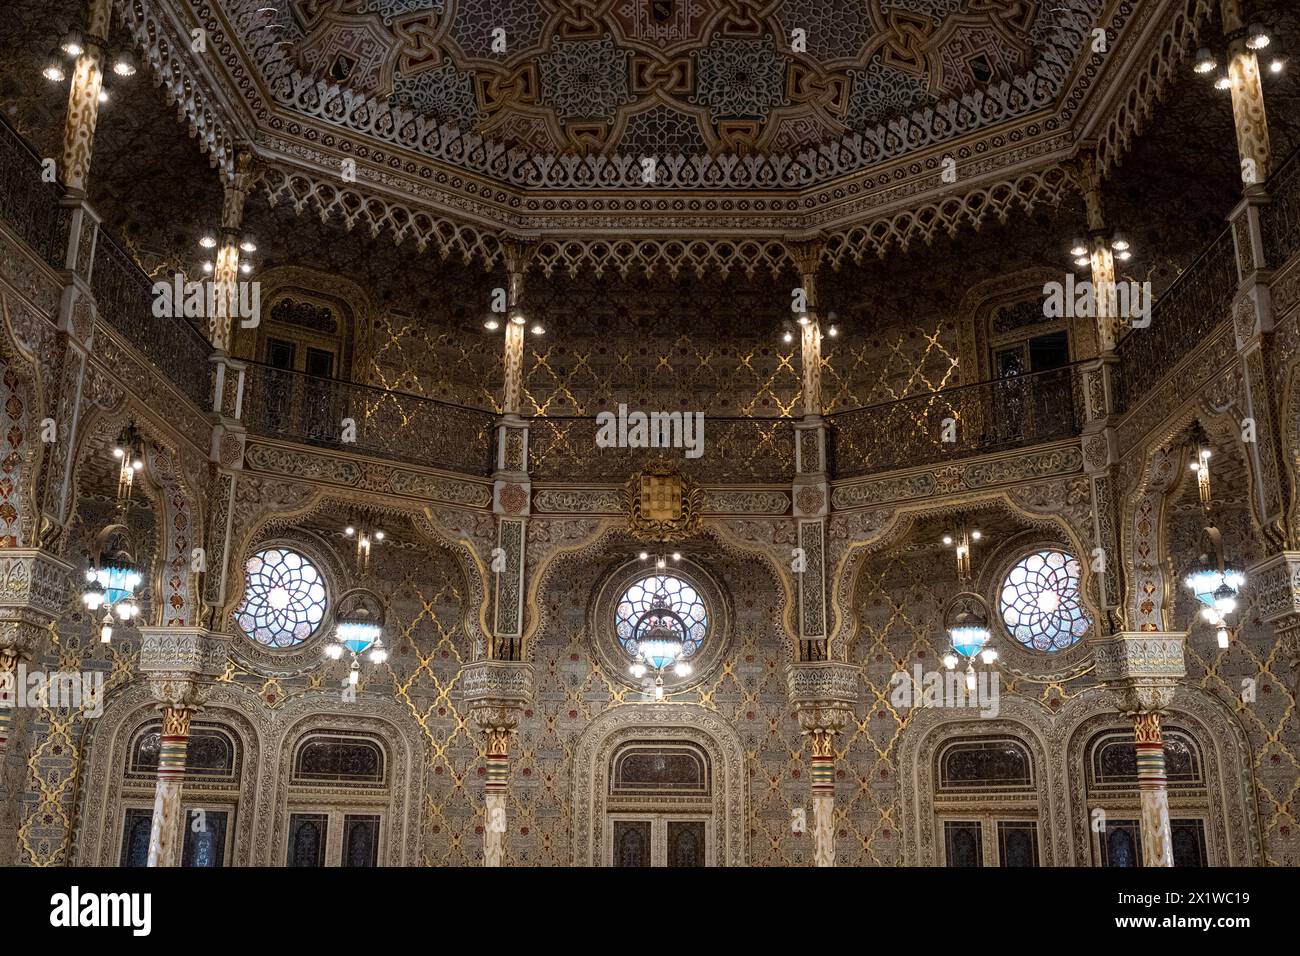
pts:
[165, 835]
[497, 693]
[1144, 669]
[823, 695]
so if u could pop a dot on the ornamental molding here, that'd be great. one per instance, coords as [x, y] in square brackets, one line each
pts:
[975, 474]
[823, 693]
[365, 474]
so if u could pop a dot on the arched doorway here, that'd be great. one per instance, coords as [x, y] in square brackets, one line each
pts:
[659, 784]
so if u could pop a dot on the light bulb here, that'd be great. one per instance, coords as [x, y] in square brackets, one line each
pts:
[208, 241]
[245, 267]
[1205, 61]
[947, 539]
[103, 95]
[1083, 262]
[1222, 81]
[334, 651]
[677, 555]
[1124, 256]
[1210, 614]
[804, 318]
[53, 69]
[682, 669]
[124, 65]
[659, 692]
[637, 670]
[970, 678]
[349, 531]
[207, 267]
[660, 563]
[1224, 637]
[833, 331]
[1278, 65]
[1078, 248]
[989, 656]
[950, 661]
[354, 676]
[491, 324]
[644, 555]
[787, 337]
[106, 632]
[248, 245]
[1119, 244]
[976, 535]
[72, 44]
[379, 655]
[379, 536]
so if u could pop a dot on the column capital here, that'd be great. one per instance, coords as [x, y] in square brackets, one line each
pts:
[182, 655]
[822, 694]
[1143, 667]
[33, 593]
[497, 692]
[1275, 584]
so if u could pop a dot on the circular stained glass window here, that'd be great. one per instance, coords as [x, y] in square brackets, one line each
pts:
[664, 601]
[1040, 601]
[284, 598]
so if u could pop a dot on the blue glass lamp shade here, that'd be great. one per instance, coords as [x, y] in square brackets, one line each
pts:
[1203, 582]
[968, 639]
[358, 635]
[660, 647]
[118, 581]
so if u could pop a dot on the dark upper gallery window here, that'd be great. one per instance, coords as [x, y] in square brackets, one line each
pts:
[344, 759]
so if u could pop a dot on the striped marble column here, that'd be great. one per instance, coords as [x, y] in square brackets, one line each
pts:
[1157, 839]
[164, 836]
[823, 695]
[497, 693]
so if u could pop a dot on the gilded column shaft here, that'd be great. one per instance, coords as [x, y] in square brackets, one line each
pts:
[83, 100]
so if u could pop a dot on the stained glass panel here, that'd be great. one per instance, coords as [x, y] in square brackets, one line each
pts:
[1040, 601]
[686, 843]
[135, 837]
[986, 763]
[307, 839]
[631, 842]
[205, 839]
[340, 759]
[1017, 843]
[360, 840]
[284, 598]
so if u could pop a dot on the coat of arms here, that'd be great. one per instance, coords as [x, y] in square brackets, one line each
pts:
[662, 504]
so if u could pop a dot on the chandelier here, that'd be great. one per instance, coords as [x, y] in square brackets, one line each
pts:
[358, 630]
[129, 451]
[966, 620]
[1214, 581]
[111, 581]
[661, 645]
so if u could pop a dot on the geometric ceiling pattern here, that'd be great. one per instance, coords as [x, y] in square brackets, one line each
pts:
[664, 77]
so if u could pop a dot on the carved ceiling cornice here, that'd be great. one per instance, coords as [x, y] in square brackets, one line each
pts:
[446, 206]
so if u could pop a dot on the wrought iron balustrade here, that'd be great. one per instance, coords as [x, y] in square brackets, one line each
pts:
[296, 407]
[1280, 219]
[28, 204]
[124, 297]
[1181, 319]
[982, 417]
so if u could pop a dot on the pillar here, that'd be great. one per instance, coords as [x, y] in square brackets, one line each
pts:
[512, 488]
[83, 99]
[1248, 114]
[1157, 841]
[1100, 449]
[34, 596]
[823, 695]
[497, 693]
[165, 834]
[225, 273]
[1144, 669]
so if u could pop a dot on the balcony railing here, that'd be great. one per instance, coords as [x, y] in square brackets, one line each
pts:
[1280, 219]
[295, 407]
[957, 422]
[124, 295]
[28, 204]
[1183, 318]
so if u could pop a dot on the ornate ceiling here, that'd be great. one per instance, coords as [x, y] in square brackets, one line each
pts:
[655, 78]
[851, 137]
